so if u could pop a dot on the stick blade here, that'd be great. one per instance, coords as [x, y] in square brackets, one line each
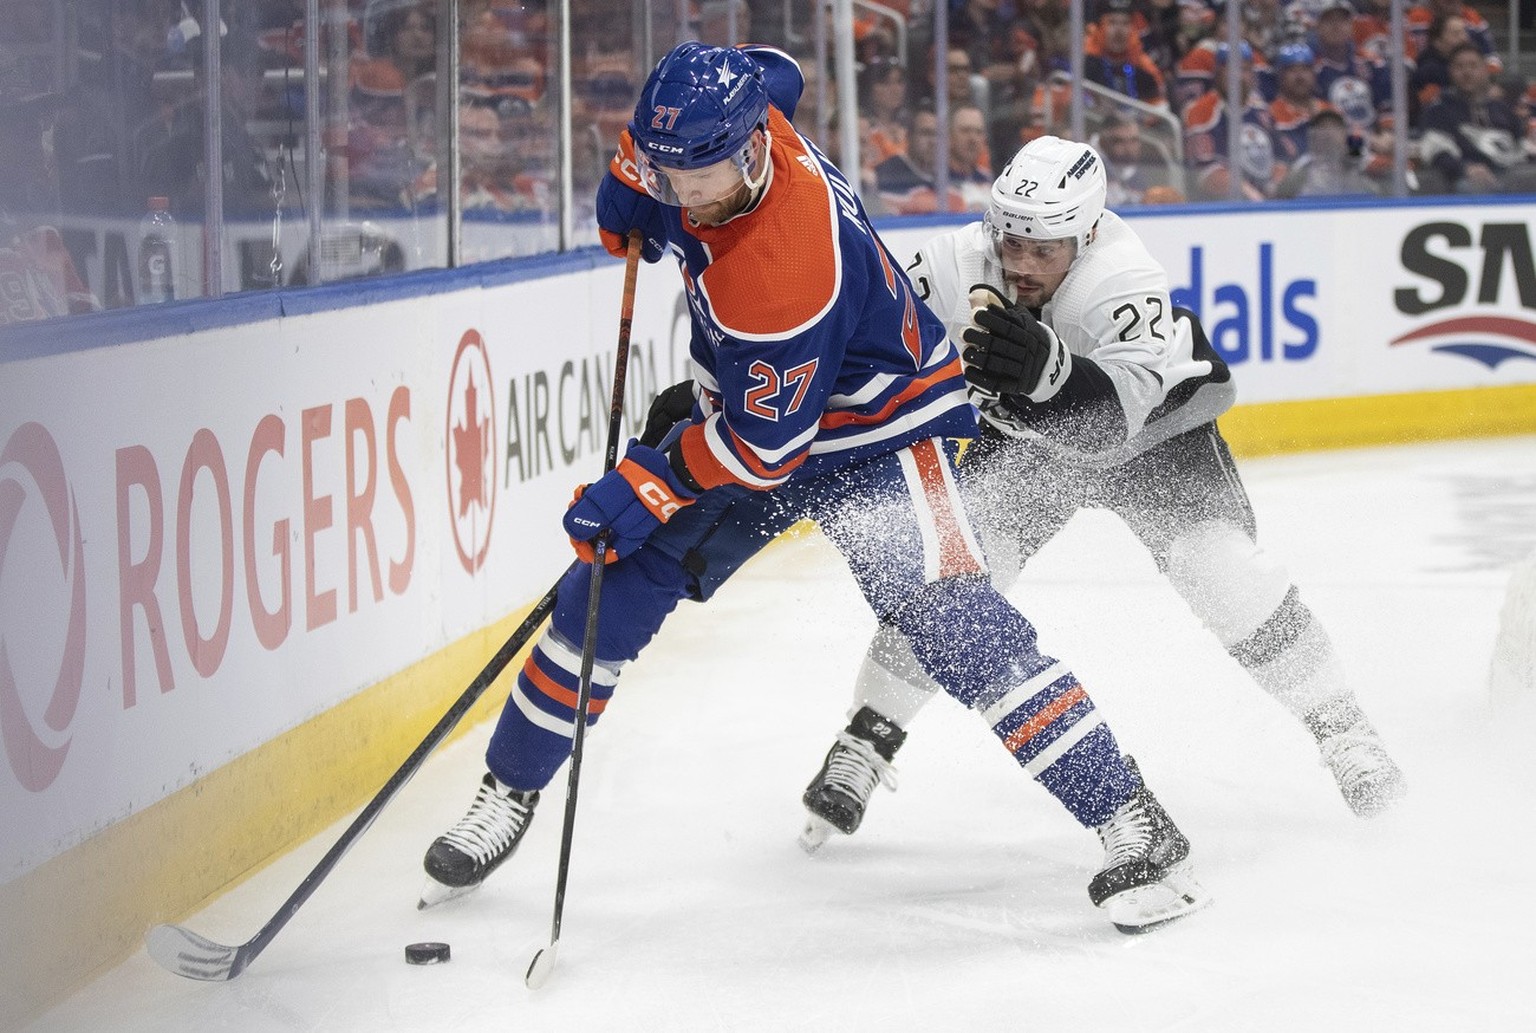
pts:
[542, 966]
[187, 954]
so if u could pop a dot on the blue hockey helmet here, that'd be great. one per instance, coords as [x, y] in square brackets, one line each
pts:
[1293, 54]
[699, 107]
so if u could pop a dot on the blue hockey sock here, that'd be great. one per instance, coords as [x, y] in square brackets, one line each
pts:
[1049, 724]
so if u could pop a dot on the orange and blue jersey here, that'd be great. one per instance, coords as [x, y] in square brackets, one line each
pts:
[1288, 126]
[1205, 144]
[809, 345]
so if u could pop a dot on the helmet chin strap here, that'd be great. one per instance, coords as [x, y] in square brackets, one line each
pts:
[755, 186]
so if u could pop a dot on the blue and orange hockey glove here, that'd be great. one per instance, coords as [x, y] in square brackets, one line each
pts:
[630, 502]
[621, 208]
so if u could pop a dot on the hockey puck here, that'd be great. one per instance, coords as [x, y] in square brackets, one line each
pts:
[426, 953]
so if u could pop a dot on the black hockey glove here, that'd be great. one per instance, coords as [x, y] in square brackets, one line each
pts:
[670, 407]
[1010, 352]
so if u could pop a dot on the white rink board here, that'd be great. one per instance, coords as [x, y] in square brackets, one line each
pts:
[1308, 303]
[116, 463]
[177, 462]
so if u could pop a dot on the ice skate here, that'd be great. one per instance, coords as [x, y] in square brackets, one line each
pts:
[859, 760]
[1369, 779]
[461, 858]
[1146, 879]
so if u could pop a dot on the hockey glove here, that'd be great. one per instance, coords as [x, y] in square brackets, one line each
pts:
[621, 208]
[629, 502]
[669, 408]
[1010, 352]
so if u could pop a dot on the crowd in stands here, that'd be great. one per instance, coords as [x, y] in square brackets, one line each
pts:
[1315, 82]
[1155, 69]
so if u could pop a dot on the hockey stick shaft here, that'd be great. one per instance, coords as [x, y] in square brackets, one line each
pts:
[187, 954]
[543, 962]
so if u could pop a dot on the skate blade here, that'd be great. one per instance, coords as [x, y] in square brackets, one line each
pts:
[435, 893]
[1144, 908]
[815, 834]
[1379, 799]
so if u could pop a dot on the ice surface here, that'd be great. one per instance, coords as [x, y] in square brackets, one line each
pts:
[961, 903]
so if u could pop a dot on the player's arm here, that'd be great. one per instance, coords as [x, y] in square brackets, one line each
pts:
[763, 412]
[1025, 379]
[935, 272]
[623, 205]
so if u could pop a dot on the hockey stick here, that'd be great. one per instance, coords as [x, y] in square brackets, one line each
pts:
[186, 953]
[543, 963]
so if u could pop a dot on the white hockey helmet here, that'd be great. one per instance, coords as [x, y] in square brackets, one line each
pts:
[1051, 190]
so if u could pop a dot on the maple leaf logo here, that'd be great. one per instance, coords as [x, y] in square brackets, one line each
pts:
[471, 428]
[471, 442]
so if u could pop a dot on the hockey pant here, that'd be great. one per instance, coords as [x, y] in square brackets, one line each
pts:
[900, 525]
[1184, 500]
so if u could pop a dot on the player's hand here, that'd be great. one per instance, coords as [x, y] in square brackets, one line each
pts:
[629, 502]
[1010, 352]
[669, 408]
[621, 208]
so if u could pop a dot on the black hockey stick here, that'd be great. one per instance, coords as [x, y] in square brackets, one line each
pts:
[186, 953]
[543, 963]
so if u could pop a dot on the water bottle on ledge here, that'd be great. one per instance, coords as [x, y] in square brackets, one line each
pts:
[157, 244]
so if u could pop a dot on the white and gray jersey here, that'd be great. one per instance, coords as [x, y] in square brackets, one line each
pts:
[1113, 309]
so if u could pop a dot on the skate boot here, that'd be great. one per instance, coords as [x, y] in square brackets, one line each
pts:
[859, 760]
[461, 858]
[1146, 879]
[1367, 777]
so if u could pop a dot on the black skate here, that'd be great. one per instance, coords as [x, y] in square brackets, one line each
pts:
[1367, 776]
[859, 760]
[461, 858]
[1146, 879]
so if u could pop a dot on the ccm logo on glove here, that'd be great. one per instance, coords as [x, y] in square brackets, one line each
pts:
[661, 502]
[628, 503]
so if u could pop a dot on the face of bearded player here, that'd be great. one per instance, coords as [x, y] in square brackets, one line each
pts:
[712, 194]
[1035, 268]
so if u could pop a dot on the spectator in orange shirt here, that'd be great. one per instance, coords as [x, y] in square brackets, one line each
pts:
[1113, 56]
[1372, 31]
[883, 88]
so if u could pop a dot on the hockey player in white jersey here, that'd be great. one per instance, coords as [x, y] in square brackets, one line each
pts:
[1095, 391]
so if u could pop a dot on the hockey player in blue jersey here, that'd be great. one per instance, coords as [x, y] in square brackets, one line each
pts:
[1095, 391]
[825, 390]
